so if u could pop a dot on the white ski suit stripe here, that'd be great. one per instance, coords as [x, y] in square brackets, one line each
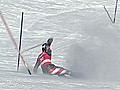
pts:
[55, 71]
[45, 61]
[63, 72]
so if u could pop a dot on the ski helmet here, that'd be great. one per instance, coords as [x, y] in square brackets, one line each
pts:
[46, 48]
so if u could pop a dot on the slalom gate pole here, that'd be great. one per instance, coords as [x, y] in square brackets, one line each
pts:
[20, 41]
[31, 48]
[108, 14]
[115, 11]
[14, 42]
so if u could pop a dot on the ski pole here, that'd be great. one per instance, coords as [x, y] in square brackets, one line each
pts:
[115, 11]
[31, 48]
[14, 42]
[20, 42]
[108, 14]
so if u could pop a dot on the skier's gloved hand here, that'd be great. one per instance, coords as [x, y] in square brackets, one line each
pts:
[49, 41]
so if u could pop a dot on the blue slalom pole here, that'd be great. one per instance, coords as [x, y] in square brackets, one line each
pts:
[20, 41]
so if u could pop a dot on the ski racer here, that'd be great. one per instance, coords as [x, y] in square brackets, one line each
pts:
[44, 59]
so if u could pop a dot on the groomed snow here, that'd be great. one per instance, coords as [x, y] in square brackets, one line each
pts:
[85, 42]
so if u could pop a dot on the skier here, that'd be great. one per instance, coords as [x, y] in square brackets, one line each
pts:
[44, 59]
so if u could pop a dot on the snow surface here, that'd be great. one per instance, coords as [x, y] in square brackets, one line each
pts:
[85, 41]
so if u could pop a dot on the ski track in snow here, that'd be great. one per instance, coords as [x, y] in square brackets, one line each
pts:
[84, 39]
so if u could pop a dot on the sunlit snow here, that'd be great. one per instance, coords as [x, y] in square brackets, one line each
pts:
[85, 42]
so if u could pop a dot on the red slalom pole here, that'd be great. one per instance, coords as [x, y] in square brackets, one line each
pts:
[14, 42]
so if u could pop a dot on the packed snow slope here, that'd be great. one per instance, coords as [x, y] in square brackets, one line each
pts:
[85, 42]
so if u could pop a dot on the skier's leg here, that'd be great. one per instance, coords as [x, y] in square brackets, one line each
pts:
[64, 71]
[56, 70]
[45, 69]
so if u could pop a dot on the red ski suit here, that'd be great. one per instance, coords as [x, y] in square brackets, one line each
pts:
[48, 67]
[44, 59]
